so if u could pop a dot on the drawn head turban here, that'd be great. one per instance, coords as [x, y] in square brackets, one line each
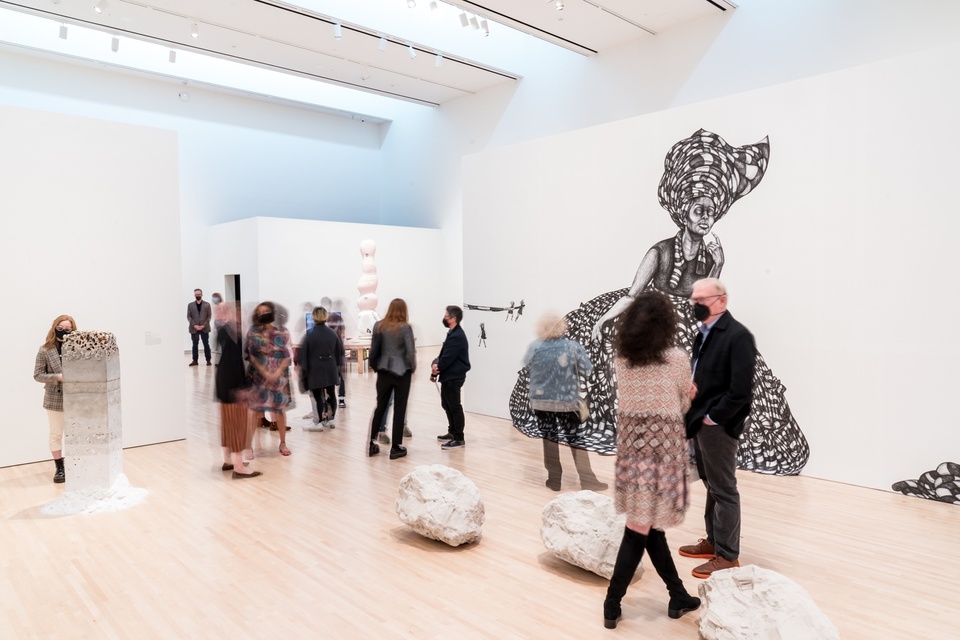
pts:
[704, 165]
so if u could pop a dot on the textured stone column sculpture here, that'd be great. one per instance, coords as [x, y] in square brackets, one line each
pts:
[93, 439]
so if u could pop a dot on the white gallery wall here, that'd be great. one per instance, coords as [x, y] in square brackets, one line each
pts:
[91, 228]
[840, 262]
[295, 262]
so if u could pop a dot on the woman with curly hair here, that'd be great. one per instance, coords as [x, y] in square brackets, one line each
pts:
[654, 392]
[49, 371]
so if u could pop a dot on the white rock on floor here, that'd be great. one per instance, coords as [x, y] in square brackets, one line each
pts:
[441, 503]
[758, 604]
[584, 529]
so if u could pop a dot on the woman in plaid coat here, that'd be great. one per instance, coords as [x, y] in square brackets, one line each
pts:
[48, 371]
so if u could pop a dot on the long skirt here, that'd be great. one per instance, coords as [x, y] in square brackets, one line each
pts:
[235, 432]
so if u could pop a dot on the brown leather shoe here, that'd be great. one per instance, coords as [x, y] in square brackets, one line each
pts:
[703, 549]
[716, 563]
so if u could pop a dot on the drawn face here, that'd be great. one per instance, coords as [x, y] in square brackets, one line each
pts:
[701, 215]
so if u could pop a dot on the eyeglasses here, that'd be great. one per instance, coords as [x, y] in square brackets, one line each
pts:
[705, 298]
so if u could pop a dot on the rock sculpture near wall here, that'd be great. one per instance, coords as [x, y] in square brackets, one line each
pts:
[441, 503]
[584, 529]
[93, 438]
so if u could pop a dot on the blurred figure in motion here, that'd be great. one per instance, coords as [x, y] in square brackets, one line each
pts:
[48, 370]
[654, 391]
[267, 349]
[319, 357]
[231, 388]
[335, 322]
[558, 368]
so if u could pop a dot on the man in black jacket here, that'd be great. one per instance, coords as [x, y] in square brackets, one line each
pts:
[724, 357]
[451, 368]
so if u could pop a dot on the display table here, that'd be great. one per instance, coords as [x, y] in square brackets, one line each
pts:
[360, 349]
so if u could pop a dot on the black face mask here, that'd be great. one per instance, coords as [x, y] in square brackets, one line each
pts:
[61, 333]
[446, 323]
[265, 318]
[701, 312]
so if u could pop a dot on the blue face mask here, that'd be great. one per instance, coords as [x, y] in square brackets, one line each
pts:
[216, 300]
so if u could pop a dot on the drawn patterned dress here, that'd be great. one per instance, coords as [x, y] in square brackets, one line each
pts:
[700, 166]
[652, 485]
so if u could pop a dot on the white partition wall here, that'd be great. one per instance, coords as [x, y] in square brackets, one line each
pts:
[294, 262]
[91, 228]
[841, 262]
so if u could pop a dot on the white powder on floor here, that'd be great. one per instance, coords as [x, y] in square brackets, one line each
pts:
[96, 499]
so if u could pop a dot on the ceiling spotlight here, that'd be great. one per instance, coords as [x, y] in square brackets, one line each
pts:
[382, 46]
[184, 96]
[194, 30]
[464, 20]
[434, 7]
[115, 44]
[559, 5]
[439, 61]
[337, 31]
[484, 28]
[63, 32]
[474, 22]
[101, 6]
[173, 56]
[411, 52]
[411, 3]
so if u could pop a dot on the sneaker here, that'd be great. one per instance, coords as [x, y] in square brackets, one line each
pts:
[193, 364]
[716, 563]
[397, 452]
[445, 437]
[703, 549]
[453, 444]
[383, 438]
[341, 404]
[406, 432]
[313, 426]
[332, 423]
[209, 363]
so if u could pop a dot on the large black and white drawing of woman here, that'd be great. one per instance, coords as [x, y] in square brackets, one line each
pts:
[703, 176]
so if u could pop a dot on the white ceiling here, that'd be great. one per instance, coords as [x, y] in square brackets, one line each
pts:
[298, 37]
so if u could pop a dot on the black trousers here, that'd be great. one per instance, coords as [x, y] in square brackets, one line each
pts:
[326, 402]
[450, 401]
[399, 386]
[196, 337]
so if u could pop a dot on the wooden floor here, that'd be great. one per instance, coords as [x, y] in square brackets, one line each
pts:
[314, 549]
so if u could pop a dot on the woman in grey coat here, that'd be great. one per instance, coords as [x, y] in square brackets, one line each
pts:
[48, 371]
[319, 357]
[394, 358]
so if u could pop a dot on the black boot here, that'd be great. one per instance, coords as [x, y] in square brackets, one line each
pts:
[60, 476]
[628, 559]
[681, 602]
